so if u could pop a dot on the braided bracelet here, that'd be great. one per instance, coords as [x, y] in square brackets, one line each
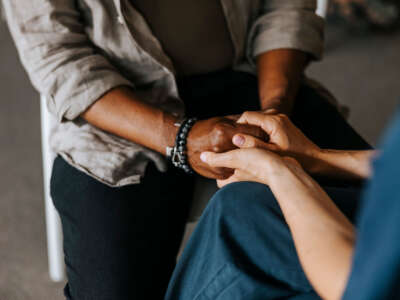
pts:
[178, 154]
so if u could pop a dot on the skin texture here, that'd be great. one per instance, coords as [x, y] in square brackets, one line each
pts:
[325, 251]
[287, 140]
[122, 113]
[279, 75]
[216, 135]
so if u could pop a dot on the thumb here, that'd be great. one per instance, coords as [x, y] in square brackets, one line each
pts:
[248, 141]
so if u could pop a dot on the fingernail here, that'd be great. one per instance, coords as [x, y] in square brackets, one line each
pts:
[238, 140]
[203, 157]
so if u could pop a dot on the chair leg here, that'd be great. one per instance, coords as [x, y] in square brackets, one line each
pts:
[53, 224]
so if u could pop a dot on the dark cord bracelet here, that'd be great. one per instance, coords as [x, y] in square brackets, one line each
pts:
[178, 154]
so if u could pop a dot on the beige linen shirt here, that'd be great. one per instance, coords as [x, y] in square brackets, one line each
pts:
[76, 50]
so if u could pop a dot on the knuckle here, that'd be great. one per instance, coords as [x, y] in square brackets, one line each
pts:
[216, 149]
[218, 131]
[246, 113]
[279, 120]
[274, 121]
[250, 142]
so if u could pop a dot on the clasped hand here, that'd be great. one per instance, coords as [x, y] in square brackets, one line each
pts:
[262, 160]
[216, 135]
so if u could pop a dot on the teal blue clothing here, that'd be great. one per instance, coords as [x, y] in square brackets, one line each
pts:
[242, 247]
[376, 266]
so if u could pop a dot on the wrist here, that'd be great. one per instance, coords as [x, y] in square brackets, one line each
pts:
[178, 154]
[272, 170]
[170, 125]
[282, 104]
[315, 161]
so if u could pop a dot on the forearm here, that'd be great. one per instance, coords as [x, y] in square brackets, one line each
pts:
[279, 76]
[120, 112]
[342, 164]
[323, 237]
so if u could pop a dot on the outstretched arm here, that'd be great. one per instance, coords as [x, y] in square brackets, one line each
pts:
[343, 164]
[286, 139]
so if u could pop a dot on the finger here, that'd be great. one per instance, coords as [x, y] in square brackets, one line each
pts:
[252, 117]
[225, 160]
[233, 117]
[265, 121]
[222, 183]
[235, 159]
[248, 141]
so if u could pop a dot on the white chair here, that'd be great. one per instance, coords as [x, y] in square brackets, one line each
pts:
[53, 224]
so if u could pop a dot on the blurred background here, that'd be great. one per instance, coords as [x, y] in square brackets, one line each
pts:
[361, 67]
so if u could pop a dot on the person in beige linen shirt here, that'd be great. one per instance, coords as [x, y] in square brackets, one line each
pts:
[125, 79]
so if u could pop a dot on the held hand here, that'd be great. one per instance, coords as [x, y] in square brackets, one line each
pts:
[284, 137]
[251, 164]
[216, 135]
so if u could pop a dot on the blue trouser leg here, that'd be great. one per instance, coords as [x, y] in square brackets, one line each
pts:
[242, 249]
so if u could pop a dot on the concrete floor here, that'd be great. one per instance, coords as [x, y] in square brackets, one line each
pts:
[362, 71]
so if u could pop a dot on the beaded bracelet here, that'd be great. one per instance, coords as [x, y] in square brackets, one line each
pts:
[178, 154]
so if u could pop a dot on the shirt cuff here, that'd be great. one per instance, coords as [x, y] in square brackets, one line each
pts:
[300, 30]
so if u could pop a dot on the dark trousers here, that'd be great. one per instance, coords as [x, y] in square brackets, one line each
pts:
[242, 248]
[121, 243]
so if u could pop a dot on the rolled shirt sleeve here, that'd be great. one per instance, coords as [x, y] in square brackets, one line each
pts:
[58, 56]
[287, 24]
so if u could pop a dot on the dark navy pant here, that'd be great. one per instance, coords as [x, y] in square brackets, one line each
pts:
[242, 248]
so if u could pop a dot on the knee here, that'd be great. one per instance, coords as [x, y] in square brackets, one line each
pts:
[244, 199]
